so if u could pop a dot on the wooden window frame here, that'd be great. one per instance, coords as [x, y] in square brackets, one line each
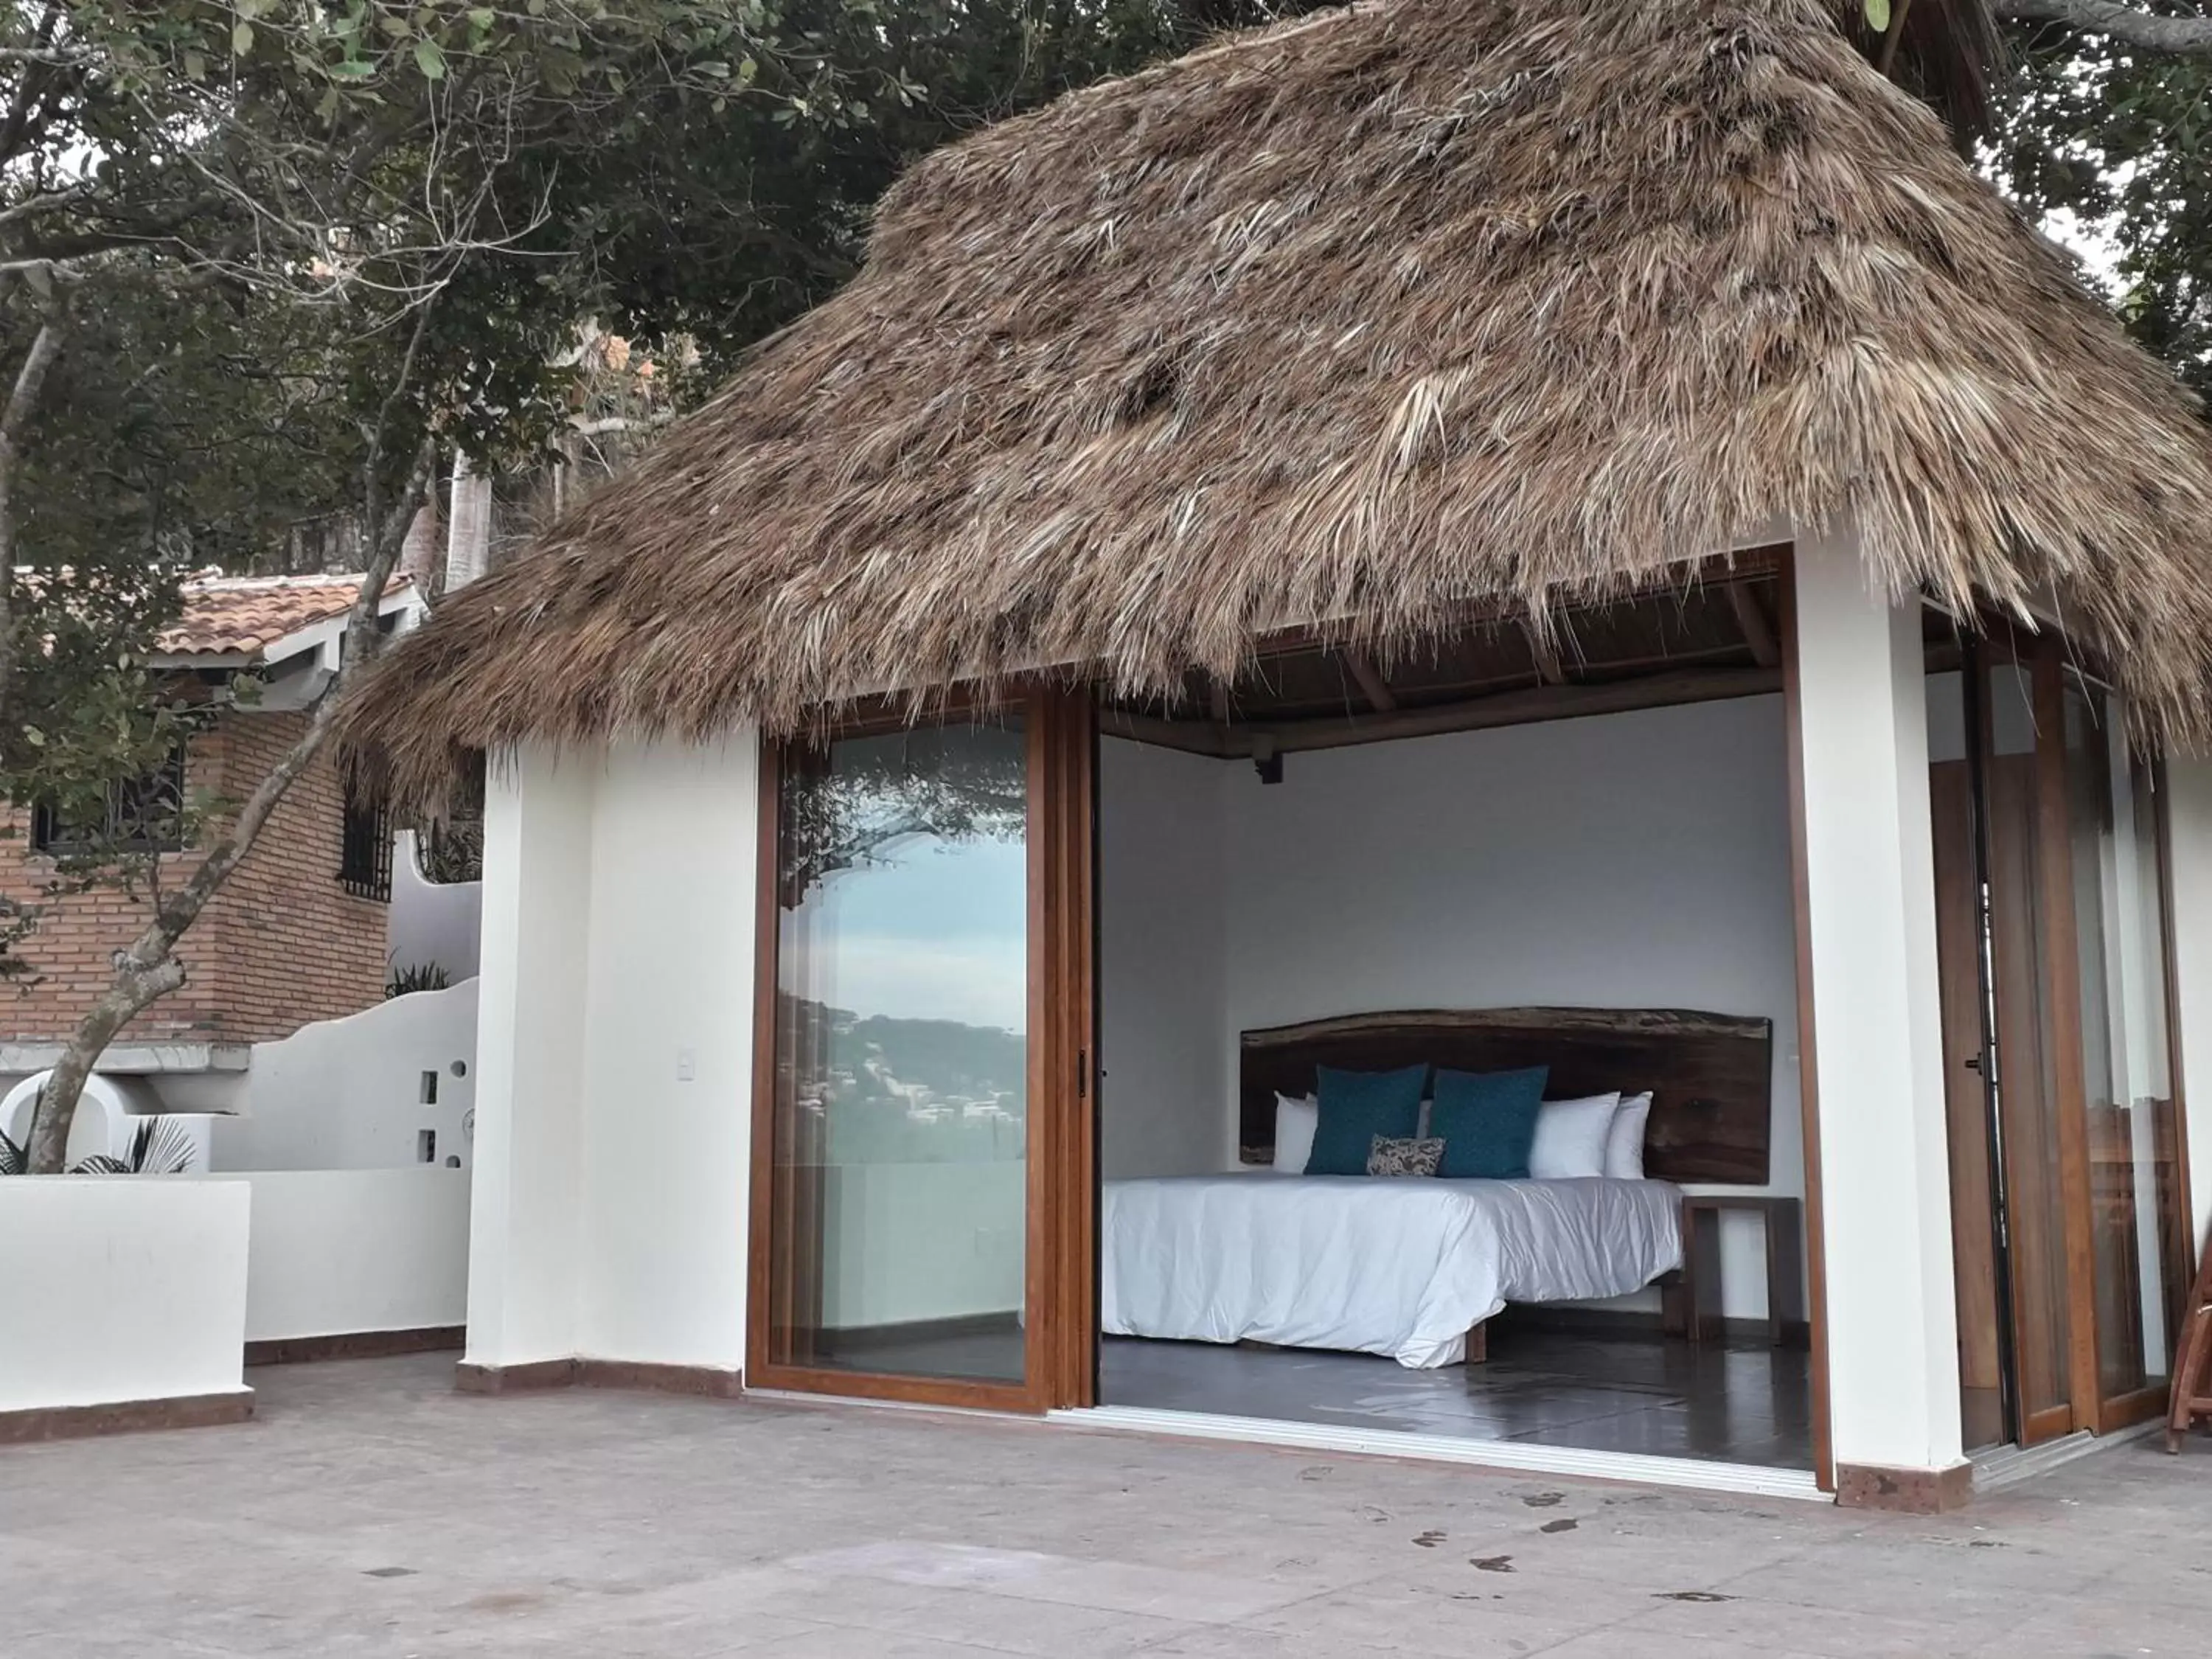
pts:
[1060, 1258]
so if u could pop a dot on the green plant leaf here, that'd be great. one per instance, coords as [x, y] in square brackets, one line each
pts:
[430, 58]
[241, 39]
[1877, 16]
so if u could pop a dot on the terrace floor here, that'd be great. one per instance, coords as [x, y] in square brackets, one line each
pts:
[369, 1511]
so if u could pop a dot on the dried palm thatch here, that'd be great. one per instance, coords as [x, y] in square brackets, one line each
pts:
[1352, 322]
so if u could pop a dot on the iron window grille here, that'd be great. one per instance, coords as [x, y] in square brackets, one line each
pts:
[145, 814]
[365, 850]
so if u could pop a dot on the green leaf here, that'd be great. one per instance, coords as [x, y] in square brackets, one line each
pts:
[1877, 16]
[430, 58]
[353, 69]
[241, 39]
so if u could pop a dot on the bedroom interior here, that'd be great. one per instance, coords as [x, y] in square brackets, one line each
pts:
[1488, 898]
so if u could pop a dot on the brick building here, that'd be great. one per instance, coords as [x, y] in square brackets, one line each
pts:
[297, 934]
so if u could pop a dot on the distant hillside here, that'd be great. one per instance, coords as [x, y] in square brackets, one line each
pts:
[943, 1056]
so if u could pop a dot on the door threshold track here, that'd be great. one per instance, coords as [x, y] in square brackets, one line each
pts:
[2007, 1466]
[1515, 1456]
[807, 1397]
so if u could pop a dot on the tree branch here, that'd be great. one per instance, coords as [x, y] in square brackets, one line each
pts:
[30, 378]
[2157, 32]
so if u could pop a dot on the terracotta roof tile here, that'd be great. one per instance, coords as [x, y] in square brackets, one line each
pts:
[243, 616]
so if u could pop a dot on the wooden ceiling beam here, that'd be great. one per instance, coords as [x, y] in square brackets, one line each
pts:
[1370, 683]
[1757, 631]
[1524, 706]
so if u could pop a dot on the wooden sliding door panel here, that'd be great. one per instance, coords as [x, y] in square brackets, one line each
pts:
[1966, 1103]
[919, 1018]
[2031, 1035]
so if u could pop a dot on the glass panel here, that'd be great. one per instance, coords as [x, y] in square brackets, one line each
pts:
[2112, 827]
[903, 1055]
[2027, 1083]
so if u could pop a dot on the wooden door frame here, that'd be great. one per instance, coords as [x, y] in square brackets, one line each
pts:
[2063, 964]
[1059, 1255]
[1809, 1070]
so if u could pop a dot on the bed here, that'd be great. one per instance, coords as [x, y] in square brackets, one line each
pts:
[1412, 1268]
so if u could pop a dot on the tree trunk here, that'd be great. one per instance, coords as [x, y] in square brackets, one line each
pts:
[30, 378]
[147, 970]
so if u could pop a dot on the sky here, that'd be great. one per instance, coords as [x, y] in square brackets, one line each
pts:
[939, 929]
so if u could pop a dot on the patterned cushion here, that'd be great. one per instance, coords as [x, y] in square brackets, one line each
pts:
[1389, 1156]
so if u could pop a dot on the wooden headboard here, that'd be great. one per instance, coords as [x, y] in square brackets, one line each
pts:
[1711, 1075]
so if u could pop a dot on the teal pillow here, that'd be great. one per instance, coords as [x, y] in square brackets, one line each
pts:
[1357, 1106]
[1487, 1122]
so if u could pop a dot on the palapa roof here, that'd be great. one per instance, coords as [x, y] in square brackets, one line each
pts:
[1352, 323]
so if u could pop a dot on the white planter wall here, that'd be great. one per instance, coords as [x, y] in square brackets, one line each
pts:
[340, 1251]
[121, 1288]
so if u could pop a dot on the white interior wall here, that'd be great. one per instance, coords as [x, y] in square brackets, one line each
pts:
[1628, 861]
[1162, 936]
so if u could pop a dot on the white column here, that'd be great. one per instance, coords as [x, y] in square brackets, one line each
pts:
[667, 1130]
[1892, 1319]
[2189, 818]
[524, 1239]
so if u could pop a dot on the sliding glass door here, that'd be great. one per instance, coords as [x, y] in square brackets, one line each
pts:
[922, 1082]
[2138, 1254]
[2068, 1220]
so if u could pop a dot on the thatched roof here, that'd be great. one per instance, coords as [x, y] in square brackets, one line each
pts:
[1350, 323]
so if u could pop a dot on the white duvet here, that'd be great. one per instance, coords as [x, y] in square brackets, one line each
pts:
[1402, 1267]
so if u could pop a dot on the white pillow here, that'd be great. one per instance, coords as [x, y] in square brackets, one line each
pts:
[1624, 1146]
[1295, 1122]
[1570, 1137]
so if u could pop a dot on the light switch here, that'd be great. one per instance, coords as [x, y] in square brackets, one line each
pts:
[686, 1065]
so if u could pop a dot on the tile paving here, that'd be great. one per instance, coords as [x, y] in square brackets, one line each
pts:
[371, 1511]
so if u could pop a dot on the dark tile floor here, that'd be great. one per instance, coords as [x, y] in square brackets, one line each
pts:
[1738, 1402]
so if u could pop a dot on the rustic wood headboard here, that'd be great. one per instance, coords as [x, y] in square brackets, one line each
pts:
[1711, 1075]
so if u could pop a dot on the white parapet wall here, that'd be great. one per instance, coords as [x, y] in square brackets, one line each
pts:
[122, 1290]
[392, 1085]
[339, 1252]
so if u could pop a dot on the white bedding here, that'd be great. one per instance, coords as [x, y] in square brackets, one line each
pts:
[1400, 1267]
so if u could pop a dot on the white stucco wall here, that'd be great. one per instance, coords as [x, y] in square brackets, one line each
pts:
[360, 1093]
[614, 1055]
[1892, 1319]
[1628, 860]
[668, 1060]
[430, 921]
[344, 1250]
[139, 1291]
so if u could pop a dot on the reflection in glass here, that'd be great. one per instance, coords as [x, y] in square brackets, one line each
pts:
[2127, 1090]
[902, 1055]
